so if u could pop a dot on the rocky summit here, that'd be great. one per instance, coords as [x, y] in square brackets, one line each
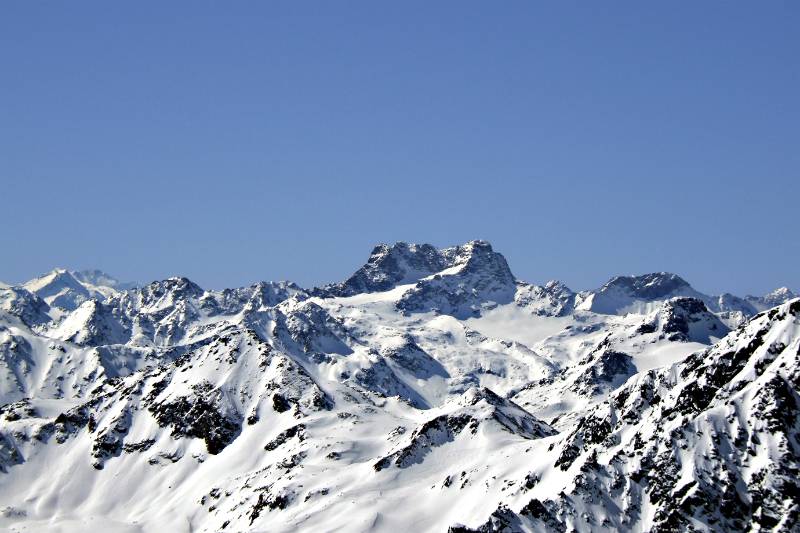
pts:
[432, 390]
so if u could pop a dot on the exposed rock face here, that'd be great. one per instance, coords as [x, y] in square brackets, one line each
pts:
[604, 369]
[713, 440]
[554, 299]
[478, 277]
[305, 327]
[258, 297]
[26, 306]
[457, 281]
[164, 313]
[180, 398]
[631, 293]
[379, 378]
[641, 294]
[408, 355]
[433, 433]
[685, 319]
[477, 408]
[200, 414]
[648, 286]
[389, 266]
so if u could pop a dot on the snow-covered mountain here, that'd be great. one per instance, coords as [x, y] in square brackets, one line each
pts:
[98, 278]
[65, 290]
[710, 443]
[776, 297]
[641, 294]
[430, 391]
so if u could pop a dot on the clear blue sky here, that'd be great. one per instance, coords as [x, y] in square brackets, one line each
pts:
[232, 142]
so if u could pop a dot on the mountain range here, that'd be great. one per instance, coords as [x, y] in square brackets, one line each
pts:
[432, 390]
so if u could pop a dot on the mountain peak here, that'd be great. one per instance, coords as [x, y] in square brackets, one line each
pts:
[59, 288]
[99, 278]
[771, 299]
[623, 294]
[477, 277]
[780, 295]
[649, 286]
[23, 304]
[176, 285]
[59, 276]
[389, 266]
[478, 255]
[473, 265]
[67, 289]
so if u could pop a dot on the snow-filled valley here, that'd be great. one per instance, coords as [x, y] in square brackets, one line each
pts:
[430, 391]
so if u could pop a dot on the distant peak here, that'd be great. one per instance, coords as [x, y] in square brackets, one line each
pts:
[480, 256]
[624, 294]
[177, 284]
[401, 247]
[389, 266]
[778, 296]
[400, 263]
[57, 273]
[649, 278]
[781, 292]
[652, 285]
[478, 243]
[771, 299]
[100, 279]
[557, 286]
[687, 303]
[57, 276]
[181, 281]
